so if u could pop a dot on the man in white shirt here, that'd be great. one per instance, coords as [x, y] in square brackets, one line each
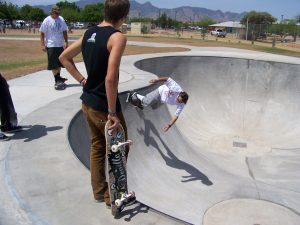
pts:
[170, 93]
[54, 39]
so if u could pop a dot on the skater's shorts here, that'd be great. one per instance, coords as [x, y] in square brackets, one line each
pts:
[53, 54]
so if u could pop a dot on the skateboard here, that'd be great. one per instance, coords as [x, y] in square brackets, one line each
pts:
[60, 85]
[133, 99]
[116, 169]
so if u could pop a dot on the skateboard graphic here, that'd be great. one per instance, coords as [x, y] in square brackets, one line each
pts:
[116, 169]
[134, 100]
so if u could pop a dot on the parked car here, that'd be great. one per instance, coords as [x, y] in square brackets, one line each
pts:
[20, 24]
[218, 33]
[78, 25]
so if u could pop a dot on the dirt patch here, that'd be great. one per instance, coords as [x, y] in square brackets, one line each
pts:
[19, 58]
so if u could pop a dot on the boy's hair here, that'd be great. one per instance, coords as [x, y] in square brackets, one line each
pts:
[114, 10]
[184, 96]
[54, 9]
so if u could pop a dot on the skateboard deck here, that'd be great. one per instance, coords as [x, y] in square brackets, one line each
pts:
[116, 169]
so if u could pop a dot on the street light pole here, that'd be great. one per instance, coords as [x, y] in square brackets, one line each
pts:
[247, 29]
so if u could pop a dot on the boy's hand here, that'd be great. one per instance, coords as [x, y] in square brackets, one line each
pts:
[166, 128]
[115, 122]
[153, 81]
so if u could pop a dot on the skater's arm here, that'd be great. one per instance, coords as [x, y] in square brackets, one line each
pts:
[160, 79]
[116, 46]
[171, 123]
[66, 58]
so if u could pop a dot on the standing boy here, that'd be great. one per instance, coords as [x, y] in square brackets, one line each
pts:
[54, 39]
[102, 47]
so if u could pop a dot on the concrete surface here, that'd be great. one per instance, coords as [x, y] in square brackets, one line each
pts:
[193, 172]
[199, 162]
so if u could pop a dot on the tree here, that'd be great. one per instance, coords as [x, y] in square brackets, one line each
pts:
[287, 27]
[70, 15]
[69, 11]
[36, 14]
[93, 13]
[25, 11]
[141, 19]
[254, 17]
[258, 23]
[205, 22]
[62, 5]
[8, 11]
[162, 21]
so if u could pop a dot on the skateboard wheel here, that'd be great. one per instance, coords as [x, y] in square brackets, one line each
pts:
[118, 202]
[114, 148]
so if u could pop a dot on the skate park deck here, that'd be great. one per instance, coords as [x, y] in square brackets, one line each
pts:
[233, 151]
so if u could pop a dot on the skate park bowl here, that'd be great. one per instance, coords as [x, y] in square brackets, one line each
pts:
[235, 149]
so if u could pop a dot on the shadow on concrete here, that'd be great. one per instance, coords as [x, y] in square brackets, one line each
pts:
[73, 85]
[131, 211]
[171, 160]
[34, 132]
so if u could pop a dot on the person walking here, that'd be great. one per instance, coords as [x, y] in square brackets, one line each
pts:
[54, 39]
[170, 93]
[9, 120]
[102, 47]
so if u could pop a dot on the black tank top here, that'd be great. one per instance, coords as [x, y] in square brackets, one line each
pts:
[95, 57]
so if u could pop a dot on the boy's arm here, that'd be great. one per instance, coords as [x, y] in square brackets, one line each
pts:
[162, 79]
[116, 46]
[170, 124]
[66, 58]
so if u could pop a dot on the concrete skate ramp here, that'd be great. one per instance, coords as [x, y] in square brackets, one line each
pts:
[237, 138]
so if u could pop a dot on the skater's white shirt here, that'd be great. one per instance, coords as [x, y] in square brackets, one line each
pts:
[53, 30]
[169, 92]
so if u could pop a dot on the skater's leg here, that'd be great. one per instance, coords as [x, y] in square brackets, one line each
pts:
[151, 98]
[7, 110]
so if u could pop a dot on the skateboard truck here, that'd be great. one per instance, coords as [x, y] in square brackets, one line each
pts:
[125, 199]
[116, 147]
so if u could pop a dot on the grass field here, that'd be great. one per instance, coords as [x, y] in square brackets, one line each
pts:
[18, 58]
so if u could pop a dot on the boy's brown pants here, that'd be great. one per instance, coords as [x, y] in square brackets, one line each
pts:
[96, 121]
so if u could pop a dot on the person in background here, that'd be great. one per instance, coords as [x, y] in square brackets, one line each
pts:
[9, 120]
[54, 39]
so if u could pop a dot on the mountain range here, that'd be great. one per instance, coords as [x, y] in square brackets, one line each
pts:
[184, 13]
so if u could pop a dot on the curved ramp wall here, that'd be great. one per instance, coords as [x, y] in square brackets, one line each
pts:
[236, 138]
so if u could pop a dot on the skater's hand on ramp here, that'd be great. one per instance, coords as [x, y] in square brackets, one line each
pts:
[114, 122]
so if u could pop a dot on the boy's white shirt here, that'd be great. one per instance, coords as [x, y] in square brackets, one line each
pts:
[53, 30]
[169, 92]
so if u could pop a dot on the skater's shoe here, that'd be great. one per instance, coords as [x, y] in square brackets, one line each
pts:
[3, 137]
[136, 101]
[11, 129]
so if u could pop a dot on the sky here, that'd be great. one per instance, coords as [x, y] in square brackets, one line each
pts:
[288, 9]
